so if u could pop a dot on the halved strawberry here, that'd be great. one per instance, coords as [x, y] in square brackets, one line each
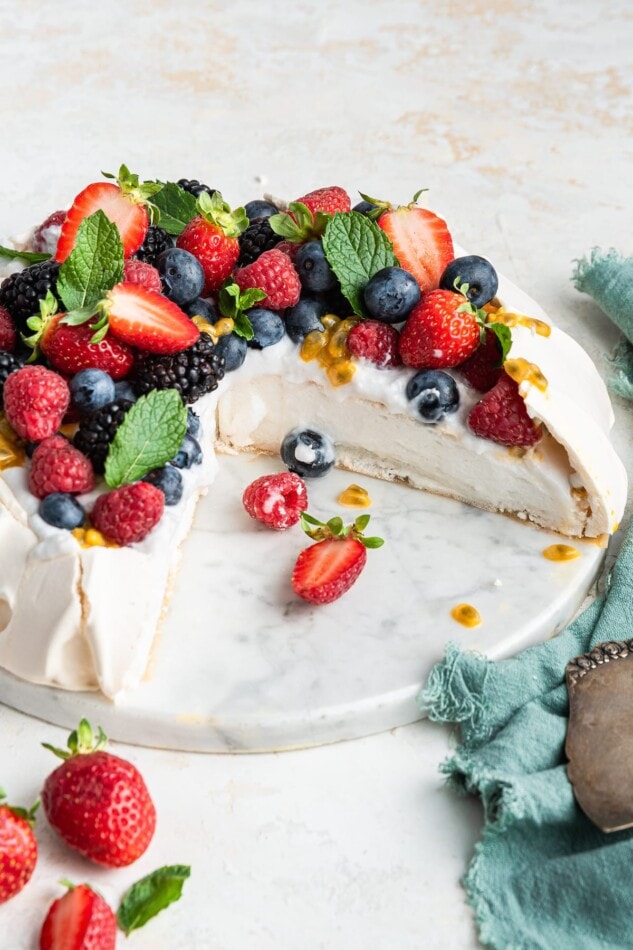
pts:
[123, 202]
[421, 242]
[326, 570]
[80, 920]
[148, 321]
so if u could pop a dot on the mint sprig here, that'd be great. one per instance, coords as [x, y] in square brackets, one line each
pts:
[148, 438]
[29, 257]
[356, 249]
[150, 895]
[504, 336]
[299, 224]
[94, 265]
[176, 208]
[232, 302]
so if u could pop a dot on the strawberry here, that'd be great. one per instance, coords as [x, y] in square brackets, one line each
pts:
[212, 238]
[375, 341]
[124, 202]
[8, 334]
[483, 369]
[18, 848]
[326, 200]
[501, 416]
[148, 321]
[326, 570]
[441, 331]
[35, 402]
[80, 920]
[70, 349]
[97, 802]
[421, 241]
[274, 273]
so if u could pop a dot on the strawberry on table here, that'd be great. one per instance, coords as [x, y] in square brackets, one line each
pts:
[124, 201]
[421, 241]
[212, 238]
[442, 330]
[501, 416]
[97, 802]
[18, 848]
[80, 920]
[326, 570]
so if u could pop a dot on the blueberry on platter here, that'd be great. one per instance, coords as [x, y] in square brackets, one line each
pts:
[308, 453]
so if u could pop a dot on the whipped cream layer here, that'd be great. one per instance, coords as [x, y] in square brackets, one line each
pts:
[86, 618]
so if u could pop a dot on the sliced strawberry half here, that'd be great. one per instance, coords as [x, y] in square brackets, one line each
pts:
[80, 920]
[328, 569]
[148, 321]
[125, 202]
[421, 242]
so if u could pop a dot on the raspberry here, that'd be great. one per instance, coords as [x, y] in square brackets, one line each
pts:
[276, 500]
[501, 416]
[375, 341]
[273, 273]
[138, 272]
[482, 369]
[35, 402]
[46, 236]
[127, 515]
[57, 466]
[8, 335]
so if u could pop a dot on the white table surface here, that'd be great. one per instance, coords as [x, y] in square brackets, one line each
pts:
[518, 116]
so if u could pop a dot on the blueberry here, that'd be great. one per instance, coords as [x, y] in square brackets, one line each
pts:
[193, 423]
[304, 317]
[475, 271]
[259, 209]
[436, 394]
[268, 327]
[308, 453]
[181, 274]
[233, 348]
[313, 269]
[202, 308]
[124, 390]
[62, 511]
[189, 453]
[91, 389]
[391, 295]
[364, 207]
[169, 480]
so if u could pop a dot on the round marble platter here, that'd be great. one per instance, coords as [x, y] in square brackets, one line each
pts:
[242, 665]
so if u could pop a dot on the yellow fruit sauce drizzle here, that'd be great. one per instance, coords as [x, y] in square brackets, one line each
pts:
[511, 319]
[329, 348]
[521, 370]
[91, 538]
[223, 327]
[467, 615]
[561, 552]
[354, 497]
[12, 452]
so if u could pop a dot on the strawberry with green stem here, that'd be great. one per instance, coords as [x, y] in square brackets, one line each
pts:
[326, 570]
[212, 238]
[125, 201]
[18, 848]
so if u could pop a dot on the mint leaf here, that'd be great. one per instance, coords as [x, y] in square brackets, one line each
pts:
[94, 265]
[28, 256]
[504, 336]
[356, 249]
[150, 895]
[176, 208]
[232, 302]
[149, 436]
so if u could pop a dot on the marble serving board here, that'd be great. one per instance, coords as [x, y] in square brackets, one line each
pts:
[242, 665]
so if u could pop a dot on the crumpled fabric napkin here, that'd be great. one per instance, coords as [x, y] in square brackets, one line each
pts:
[543, 877]
[608, 278]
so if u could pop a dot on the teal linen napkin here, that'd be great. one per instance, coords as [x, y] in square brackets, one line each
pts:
[608, 278]
[543, 877]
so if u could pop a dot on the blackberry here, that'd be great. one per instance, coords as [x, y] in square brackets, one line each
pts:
[8, 363]
[21, 293]
[156, 241]
[96, 431]
[193, 372]
[194, 187]
[257, 238]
